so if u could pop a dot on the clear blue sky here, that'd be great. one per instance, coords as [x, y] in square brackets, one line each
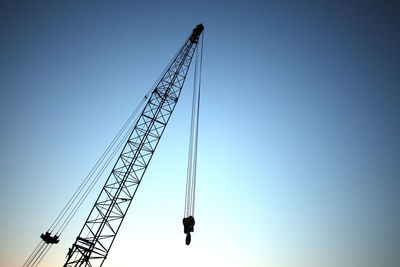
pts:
[299, 145]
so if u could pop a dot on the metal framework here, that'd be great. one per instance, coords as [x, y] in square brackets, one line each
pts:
[101, 227]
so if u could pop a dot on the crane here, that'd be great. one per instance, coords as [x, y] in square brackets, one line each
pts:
[98, 233]
[101, 227]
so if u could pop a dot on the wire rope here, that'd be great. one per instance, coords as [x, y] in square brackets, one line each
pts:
[94, 169]
[42, 257]
[190, 156]
[197, 128]
[33, 252]
[193, 140]
[84, 196]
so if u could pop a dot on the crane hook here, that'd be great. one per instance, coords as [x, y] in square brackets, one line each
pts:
[188, 224]
[188, 239]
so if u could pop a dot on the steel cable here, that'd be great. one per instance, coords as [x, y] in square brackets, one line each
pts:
[193, 140]
[83, 197]
[33, 252]
[42, 257]
[94, 169]
[40, 254]
[197, 128]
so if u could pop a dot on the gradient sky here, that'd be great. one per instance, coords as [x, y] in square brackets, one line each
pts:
[299, 145]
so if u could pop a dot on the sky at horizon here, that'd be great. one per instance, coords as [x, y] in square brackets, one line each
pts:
[299, 145]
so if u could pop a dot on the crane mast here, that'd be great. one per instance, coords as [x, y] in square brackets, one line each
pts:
[94, 241]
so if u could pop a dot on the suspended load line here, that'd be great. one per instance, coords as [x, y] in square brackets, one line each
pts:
[188, 216]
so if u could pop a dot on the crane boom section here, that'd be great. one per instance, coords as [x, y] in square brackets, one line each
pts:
[101, 227]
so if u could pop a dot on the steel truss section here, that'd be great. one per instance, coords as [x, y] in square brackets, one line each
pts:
[98, 233]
